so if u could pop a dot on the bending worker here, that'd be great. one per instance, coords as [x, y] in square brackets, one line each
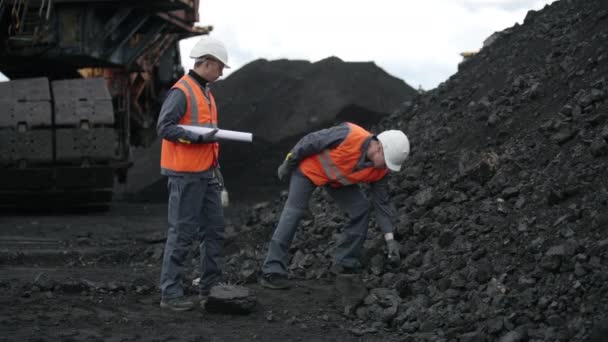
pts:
[190, 161]
[338, 158]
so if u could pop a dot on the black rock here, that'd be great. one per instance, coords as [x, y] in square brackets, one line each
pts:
[231, 299]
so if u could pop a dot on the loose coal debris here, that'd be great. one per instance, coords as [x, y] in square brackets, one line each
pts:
[502, 204]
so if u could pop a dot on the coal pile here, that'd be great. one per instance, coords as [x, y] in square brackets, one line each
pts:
[276, 100]
[280, 101]
[502, 205]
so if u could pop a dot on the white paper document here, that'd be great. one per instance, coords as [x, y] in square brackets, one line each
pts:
[221, 134]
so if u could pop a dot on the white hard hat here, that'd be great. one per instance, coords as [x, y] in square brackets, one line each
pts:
[396, 148]
[208, 46]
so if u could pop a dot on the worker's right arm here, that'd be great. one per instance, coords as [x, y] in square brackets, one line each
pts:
[386, 213]
[173, 109]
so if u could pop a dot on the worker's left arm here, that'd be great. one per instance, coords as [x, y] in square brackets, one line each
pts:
[383, 207]
[172, 110]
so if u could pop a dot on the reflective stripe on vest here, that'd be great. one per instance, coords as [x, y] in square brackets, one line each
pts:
[194, 106]
[331, 170]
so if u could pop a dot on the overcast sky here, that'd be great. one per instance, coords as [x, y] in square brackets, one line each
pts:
[419, 41]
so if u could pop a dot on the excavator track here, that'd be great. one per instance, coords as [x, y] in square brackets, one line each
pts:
[60, 143]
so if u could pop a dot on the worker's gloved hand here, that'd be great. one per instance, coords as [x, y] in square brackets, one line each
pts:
[286, 168]
[394, 258]
[208, 137]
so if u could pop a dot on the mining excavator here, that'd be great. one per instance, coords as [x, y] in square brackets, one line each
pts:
[86, 81]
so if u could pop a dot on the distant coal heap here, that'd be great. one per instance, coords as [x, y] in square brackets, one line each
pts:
[503, 203]
[280, 101]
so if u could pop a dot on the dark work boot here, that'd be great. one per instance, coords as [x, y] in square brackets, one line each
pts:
[274, 281]
[177, 304]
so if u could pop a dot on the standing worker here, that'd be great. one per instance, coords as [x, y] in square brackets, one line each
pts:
[195, 184]
[338, 158]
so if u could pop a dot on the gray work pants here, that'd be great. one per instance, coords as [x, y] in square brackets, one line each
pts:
[195, 213]
[349, 198]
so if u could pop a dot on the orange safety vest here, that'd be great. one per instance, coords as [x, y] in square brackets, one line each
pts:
[200, 111]
[336, 166]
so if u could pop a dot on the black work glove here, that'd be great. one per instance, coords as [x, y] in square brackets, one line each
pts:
[286, 168]
[394, 257]
[208, 137]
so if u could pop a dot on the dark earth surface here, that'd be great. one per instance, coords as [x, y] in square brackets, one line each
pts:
[93, 276]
